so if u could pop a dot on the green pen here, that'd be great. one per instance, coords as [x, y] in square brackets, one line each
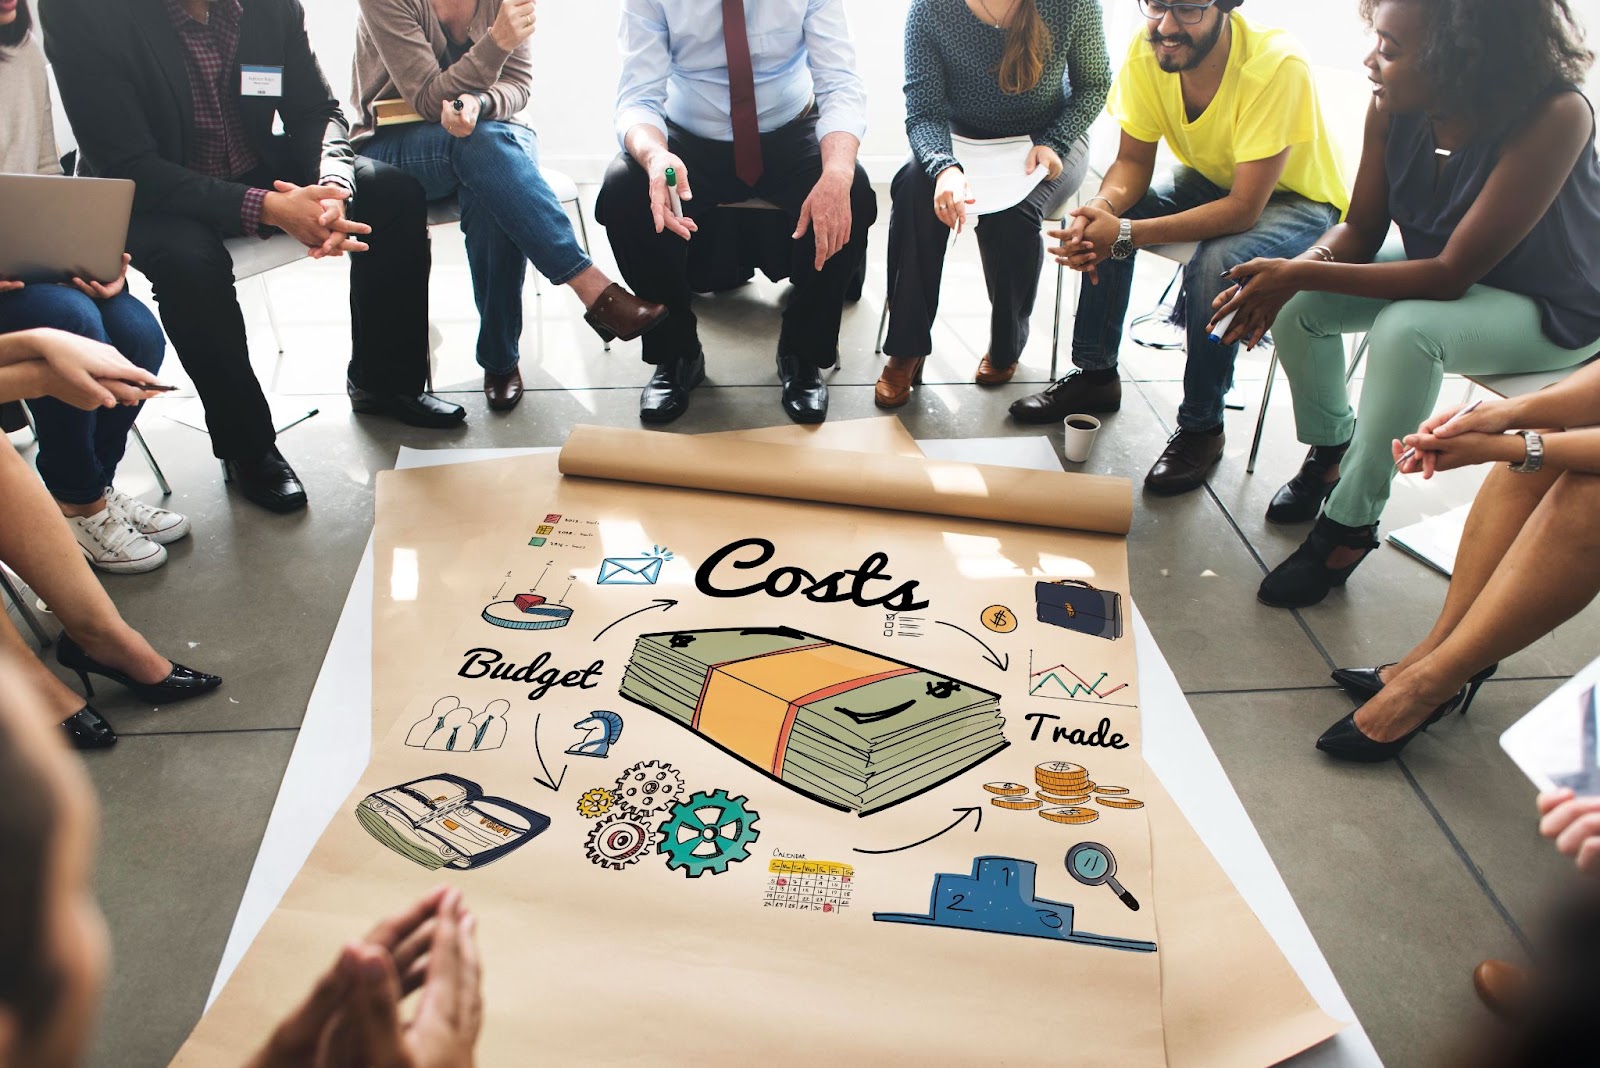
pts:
[672, 193]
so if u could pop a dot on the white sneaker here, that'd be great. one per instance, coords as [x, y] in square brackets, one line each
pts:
[157, 524]
[112, 545]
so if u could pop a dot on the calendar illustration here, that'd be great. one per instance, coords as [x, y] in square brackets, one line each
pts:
[809, 885]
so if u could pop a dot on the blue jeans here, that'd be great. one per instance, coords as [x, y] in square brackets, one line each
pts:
[509, 216]
[1288, 226]
[78, 450]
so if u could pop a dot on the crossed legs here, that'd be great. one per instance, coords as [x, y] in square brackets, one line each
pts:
[1529, 561]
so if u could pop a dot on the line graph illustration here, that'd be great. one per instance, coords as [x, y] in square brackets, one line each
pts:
[1062, 683]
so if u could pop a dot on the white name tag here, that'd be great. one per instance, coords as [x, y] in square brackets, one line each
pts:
[260, 81]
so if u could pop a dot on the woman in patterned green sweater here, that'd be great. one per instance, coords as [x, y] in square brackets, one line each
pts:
[986, 69]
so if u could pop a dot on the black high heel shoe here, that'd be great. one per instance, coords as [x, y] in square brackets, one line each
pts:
[1301, 497]
[1305, 577]
[180, 684]
[88, 729]
[1366, 682]
[1344, 740]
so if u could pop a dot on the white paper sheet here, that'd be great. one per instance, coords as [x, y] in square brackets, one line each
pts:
[1558, 743]
[996, 172]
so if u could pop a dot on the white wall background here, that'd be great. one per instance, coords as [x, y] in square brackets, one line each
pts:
[576, 64]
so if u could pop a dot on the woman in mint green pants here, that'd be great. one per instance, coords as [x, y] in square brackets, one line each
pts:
[1488, 169]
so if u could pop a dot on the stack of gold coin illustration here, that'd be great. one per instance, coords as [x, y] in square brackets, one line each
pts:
[1065, 794]
[1060, 777]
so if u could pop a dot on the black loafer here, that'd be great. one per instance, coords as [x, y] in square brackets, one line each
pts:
[88, 729]
[267, 480]
[421, 409]
[805, 394]
[666, 396]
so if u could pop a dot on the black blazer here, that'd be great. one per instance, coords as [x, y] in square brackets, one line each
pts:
[120, 68]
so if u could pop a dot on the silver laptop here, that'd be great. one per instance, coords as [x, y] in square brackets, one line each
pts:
[52, 228]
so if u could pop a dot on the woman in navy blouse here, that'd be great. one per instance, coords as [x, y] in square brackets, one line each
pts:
[986, 69]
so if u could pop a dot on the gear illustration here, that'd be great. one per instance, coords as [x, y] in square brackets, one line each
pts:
[618, 841]
[596, 803]
[649, 787]
[708, 832]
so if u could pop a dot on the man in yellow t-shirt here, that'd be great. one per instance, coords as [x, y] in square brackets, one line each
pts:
[1258, 176]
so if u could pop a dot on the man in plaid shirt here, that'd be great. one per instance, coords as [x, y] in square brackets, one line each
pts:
[180, 96]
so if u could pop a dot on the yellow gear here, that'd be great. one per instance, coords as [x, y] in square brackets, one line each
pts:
[596, 803]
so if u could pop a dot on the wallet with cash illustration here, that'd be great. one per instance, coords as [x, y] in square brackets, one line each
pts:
[444, 821]
[850, 728]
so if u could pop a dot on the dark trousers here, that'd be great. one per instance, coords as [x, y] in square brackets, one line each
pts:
[1010, 243]
[191, 274]
[655, 266]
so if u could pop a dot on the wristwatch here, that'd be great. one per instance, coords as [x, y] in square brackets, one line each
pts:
[1122, 247]
[485, 105]
[1534, 459]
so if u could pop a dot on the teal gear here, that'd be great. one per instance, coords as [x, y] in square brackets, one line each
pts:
[697, 844]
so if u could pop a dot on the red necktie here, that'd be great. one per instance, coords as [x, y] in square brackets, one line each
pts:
[742, 94]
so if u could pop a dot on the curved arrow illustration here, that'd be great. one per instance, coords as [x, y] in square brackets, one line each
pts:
[965, 812]
[1003, 663]
[663, 603]
[550, 781]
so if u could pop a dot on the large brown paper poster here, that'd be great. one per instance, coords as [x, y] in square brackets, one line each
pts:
[684, 798]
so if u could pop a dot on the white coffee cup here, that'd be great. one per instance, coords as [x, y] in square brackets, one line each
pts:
[1079, 431]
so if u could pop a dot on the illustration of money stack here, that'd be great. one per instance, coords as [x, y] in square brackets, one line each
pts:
[846, 727]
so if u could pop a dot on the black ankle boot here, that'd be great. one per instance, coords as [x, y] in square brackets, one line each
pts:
[1301, 497]
[1305, 578]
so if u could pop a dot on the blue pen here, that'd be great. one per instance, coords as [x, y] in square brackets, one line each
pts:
[1216, 336]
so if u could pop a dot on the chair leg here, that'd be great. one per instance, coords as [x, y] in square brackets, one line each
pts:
[1355, 361]
[150, 458]
[272, 315]
[583, 235]
[883, 326]
[23, 610]
[1261, 419]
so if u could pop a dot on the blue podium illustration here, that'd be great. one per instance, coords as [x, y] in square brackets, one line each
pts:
[997, 898]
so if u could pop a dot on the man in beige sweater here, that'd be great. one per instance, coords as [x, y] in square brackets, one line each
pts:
[462, 66]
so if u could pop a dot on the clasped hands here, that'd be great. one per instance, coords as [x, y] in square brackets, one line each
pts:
[351, 1017]
[1474, 435]
[826, 211]
[314, 215]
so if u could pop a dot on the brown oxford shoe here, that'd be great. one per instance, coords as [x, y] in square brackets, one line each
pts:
[1502, 986]
[616, 313]
[503, 390]
[990, 375]
[894, 384]
[1183, 464]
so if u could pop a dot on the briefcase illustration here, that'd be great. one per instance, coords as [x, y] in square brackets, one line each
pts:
[1075, 605]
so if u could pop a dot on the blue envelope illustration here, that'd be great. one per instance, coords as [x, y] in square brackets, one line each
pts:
[630, 571]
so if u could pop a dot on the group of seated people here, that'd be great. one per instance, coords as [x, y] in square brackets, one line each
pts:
[1478, 155]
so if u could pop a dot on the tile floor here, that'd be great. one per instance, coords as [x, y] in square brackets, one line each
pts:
[1408, 873]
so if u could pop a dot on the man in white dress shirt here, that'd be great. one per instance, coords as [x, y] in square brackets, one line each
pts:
[739, 99]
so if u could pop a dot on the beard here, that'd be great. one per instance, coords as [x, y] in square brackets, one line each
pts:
[1200, 50]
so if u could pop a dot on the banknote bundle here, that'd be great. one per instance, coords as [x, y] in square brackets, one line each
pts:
[850, 728]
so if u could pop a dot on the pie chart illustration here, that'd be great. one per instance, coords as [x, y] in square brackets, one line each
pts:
[527, 611]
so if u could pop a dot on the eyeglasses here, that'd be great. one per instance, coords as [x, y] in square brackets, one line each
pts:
[1187, 14]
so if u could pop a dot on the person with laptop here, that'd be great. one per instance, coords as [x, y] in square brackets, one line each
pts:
[180, 96]
[78, 450]
[1258, 175]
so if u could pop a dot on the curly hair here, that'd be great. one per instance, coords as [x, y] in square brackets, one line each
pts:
[1494, 58]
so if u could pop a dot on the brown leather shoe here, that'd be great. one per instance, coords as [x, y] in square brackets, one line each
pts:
[1073, 394]
[616, 313]
[1183, 464]
[503, 391]
[894, 384]
[990, 375]
[1501, 986]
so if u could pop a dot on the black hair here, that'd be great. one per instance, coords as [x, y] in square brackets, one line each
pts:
[1492, 59]
[1229, 5]
[29, 984]
[17, 31]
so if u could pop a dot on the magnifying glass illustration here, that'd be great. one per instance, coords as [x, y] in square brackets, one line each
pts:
[1093, 864]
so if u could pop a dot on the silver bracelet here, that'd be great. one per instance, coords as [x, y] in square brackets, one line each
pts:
[1324, 252]
[1112, 208]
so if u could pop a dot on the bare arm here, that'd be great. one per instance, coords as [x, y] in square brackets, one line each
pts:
[1128, 179]
[1235, 213]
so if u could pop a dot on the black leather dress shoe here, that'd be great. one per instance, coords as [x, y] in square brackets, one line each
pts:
[1300, 499]
[666, 396]
[1075, 394]
[267, 480]
[421, 409]
[805, 394]
[1183, 464]
[180, 684]
[503, 391]
[88, 729]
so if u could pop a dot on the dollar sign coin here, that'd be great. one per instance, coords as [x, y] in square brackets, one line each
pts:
[1000, 619]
